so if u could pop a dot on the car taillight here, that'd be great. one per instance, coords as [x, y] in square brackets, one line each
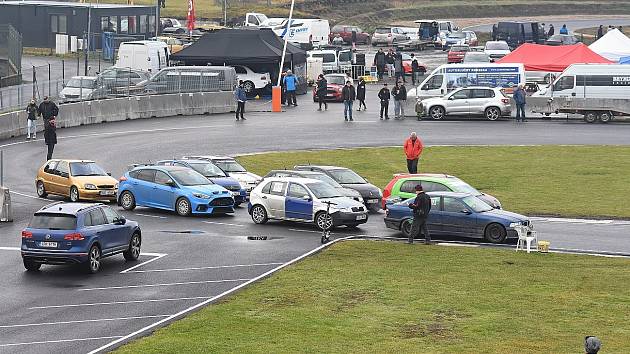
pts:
[74, 237]
[386, 212]
[264, 78]
[27, 234]
[122, 179]
[505, 100]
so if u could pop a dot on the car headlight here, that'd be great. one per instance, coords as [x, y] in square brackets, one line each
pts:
[116, 186]
[514, 224]
[89, 186]
[201, 196]
[380, 193]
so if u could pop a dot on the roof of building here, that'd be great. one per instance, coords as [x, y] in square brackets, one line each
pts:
[70, 4]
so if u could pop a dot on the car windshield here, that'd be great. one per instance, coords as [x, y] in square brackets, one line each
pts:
[347, 177]
[497, 46]
[463, 187]
[53, 222]
[345, 56]
[460, 48]
[476, 204]
[230, 166]
[337, 80]
[324, 178]
[382, 30]
[86, 169]
[478, 57]
[322, 190]
[81, 83]
[457, 35]
[208, 169]
[326, 57]
[189, 178]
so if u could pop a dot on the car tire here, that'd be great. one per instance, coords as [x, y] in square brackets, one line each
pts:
[605, 117]
[405, 227]
[495, 233]
[492, 113]
[259, 214]
[74, 194]
[324, 221]
[127, 201]
[249, 87]
[31, 266]
[590, 117]
[183, 207]
[41, 190]
[437, 112]
[93, 264]
[133, 252]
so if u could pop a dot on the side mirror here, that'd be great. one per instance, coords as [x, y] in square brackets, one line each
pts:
[109, 174]
[306, 197]
[465, 211]
[451, 98]
[171, 183]
[120, 220]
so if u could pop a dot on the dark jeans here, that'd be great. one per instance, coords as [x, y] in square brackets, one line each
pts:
[362, 103]
[322, 100]
[414, 74]
[520, 112]
[51, 147]
[419, 226]
[385, 108]
[291, 99]
[240, 108]
[347, 109]
[400, 75]
[412, 166]
[380, 69]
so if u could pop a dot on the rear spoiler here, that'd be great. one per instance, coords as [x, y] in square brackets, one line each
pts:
[134, 165]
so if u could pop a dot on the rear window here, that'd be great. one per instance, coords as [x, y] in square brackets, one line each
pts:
[497, 46]
[53, 221]
[382, 30]
[459, 48]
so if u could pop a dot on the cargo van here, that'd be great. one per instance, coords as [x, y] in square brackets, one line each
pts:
[448, 77]
[333, 60]
[149, 56]
[307, 33]
[180, 79]
[590, 81]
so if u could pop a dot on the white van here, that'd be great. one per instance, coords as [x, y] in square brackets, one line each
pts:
[310, 32]
[590, 81]
[255, 19]
[332, 60]
[149, 56]
[448, 77]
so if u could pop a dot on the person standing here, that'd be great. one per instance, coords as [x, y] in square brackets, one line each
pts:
[552, 30]
[564, 30]
[519, 99]
[384, 95]
[50, 136]
[400, 97]
[241, 97]
[600, 31]
[361, 94]
[620, 28]
[398, 68]
[291, 82]
[321, 90]
[413, 149]
[380, 61]
[354, 40]
[421, 207]
[31, 120]
[494, 32]
[283, 89]
[348, 94]
[415, 68]
[349, 78]
[390, 62]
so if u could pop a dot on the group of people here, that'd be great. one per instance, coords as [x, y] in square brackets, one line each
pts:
[48, 110]
[392, 62]
[288, 83]
[600, 30]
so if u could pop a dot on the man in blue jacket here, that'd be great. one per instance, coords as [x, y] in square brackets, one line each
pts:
[291, 82]
[241, 98]
[519, 99]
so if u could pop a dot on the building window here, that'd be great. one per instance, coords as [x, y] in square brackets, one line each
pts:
[143, 24]
[124, 24]
[151, 24]
[132, 25]
[58, 24]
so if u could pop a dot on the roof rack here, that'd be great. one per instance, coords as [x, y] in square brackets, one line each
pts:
[50, 205]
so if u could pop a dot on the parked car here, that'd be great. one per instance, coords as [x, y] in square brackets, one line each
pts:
[335, 83]
[476, 57]
[302, 199]
[456, 53]
[517, 33]
[403, 186]
[214, 174]
[459, 214]
[234, 169]
[75, 179]
[78, 88]
[491, 103]
[562, 39]
[407, 64]
[346, 177]
[174, 188]
[171, 22]
[496, 49]
[181, 79]
[463, 37]
[76, 233]
[253, 82]
[388, 36]
[119, 82]
[346, 192]
[174, 44]
[345, 32]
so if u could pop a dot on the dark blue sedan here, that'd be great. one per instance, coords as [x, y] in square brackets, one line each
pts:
[77, 233]
[458, 214]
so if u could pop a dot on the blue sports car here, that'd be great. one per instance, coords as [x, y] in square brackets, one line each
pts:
[173, 188]
[458, 214]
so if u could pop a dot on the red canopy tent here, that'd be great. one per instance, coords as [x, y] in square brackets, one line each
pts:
[537, 57]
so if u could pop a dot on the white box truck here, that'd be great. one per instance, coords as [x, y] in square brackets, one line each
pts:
[149, 56]
[307, 33]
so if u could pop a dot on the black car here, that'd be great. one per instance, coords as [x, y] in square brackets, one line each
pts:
[371, 194]
[562, 39]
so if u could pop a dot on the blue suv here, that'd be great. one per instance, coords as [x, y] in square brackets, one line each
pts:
[77, 233]
[174, 188]
[214, 174]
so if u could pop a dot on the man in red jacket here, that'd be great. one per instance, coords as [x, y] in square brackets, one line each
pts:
[413, 149]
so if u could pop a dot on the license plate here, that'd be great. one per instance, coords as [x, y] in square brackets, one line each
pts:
[372, 201]
[48, 244]
[108, 192]
[236, 194]
[361, 217]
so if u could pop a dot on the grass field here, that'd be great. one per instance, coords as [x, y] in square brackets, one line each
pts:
[380, 297]
[588, 181]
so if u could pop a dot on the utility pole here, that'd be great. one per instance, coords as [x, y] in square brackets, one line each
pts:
[87, 41]
[225, 13]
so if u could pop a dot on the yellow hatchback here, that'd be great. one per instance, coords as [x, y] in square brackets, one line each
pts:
[76, 179]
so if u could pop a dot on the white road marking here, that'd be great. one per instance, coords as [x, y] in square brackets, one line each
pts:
[163, 284]
[202, 268]
[156, 255]
[10, 248]
[58, 341]
[150, 216]
[81, 321]
[117, 302]
[29, 196]
[311, 231]
[572, 221]
[223, 223]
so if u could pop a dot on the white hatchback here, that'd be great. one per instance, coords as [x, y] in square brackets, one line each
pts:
[252, 81]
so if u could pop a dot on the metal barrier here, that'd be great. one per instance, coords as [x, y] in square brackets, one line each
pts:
[354, 70]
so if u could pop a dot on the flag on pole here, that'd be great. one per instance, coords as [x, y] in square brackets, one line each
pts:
[191, 15]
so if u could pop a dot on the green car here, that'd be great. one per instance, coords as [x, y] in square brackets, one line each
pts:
[403, 186]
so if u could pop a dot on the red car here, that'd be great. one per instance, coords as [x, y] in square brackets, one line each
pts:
[407, 65]
[456, 53]
[345, 32]
[335, 85]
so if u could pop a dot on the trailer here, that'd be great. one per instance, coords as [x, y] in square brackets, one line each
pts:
[413, 44]
[591, 109]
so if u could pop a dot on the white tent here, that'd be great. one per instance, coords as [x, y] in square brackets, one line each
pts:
[612, 46]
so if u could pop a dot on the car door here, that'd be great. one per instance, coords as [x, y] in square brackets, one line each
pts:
[96, 222]
[457, 218]
[62, 179]
[458, 102]
[298, 203]
[142, 186]
[49, 176]
[163, 195]
[120, 235]
[435, 220]
[478, 100]
[275, 199]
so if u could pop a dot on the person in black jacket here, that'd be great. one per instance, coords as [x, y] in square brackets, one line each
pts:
[48, 109]
[361, 94]
[31, 120]
[320, 91]
[380, 61]
[384, 95]
[421, 207]
[415, 68]
[50, 136]
[389, 58]
[348, 94]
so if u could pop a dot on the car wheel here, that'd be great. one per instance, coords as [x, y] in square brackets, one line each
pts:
[128, 201]
[493, 113]
[259, 214]
[590, 117]
[182, 207]
[405, 227]
[41, 190]
[437, 112]
[249, 87]
[94, 260]
[31, 266]
[133, 252]
[495, 233]
[74, 194]
[324, 221]
[605, 117]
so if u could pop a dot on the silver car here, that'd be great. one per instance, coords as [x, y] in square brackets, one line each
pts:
[388, 36]
[491, 103]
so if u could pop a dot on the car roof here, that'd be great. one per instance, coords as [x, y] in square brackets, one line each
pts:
[340, 75]
[293, 179]
[163, 168]
[70, 160]
[207, 157]
[324, 167]
[66, 208]
[479, 87]
[300, 172]
[449, 194]
[429, 177]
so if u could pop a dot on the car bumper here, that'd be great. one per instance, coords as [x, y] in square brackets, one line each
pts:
[91, 194]
[54, 257]
[344, 218]
[205, 207]
[392, 223]
[369, 202]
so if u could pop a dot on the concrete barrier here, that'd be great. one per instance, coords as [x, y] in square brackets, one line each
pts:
[125, 108]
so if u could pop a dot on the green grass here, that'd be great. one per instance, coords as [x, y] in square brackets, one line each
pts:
[589, 181]
[379, 297]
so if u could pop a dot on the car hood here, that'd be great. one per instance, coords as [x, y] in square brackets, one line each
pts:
[506, 215]
[210, 189]
[349, 192]
[96, 180]
[432, 100]
[225, 181]
[367, 190]
[497, 51]
[246, 177]
[75, 91]
[343, 202]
